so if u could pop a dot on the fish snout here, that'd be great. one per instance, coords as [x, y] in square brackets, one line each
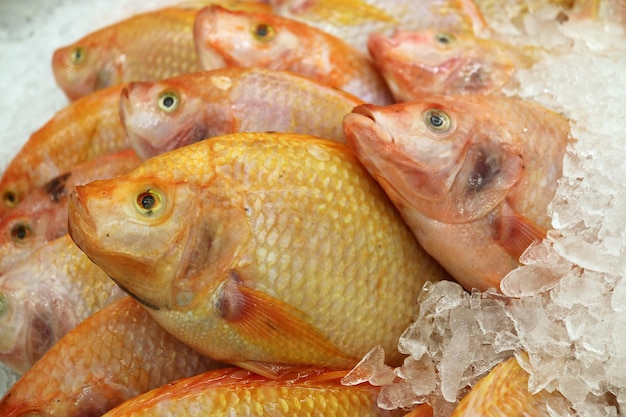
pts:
[366, 110]
[80, 222]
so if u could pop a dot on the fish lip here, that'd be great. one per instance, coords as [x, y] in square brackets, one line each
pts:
[80, 221]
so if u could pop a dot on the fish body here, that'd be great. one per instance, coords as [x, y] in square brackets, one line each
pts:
[251, 39]
[85, 129]
[42, 216]
[237, 392]
[229, 100]
[116, 354]
[429, 62]
[258, 248]
[471, 175]
[53, 290]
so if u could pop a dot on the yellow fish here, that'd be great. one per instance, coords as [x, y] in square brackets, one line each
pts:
[259, 248]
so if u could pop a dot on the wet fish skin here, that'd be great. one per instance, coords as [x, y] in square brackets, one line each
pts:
[278, 245]
[53, 290]
[85, 129]
[235, 391]
[251, 39]
[116, 354]
[471, 175]
[229, 100]
[42, 216]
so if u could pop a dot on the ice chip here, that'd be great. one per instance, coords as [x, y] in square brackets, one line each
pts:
[370, 369]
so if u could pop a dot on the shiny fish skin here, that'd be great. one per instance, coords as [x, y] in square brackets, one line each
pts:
[114, 355]
[246, 39]
[85, 129]
[229, 100]
[53, 290]
[475, 192]
[42, 216]
[235, 392]
[278, 245]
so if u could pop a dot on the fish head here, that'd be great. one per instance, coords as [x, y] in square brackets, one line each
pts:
[446, 157]
[243, 39]
[139, 230]
[161, 116]
[84, 67]
[21, 234]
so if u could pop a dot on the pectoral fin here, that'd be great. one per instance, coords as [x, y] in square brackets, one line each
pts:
[278, 329]
[515, 232]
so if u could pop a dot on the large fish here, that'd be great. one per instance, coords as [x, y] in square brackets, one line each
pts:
[42, 216]
[168, 114]
[116, 354]
[85, 129]
[53, 290]
[236, 392]
[257, 248]
[430, 62]
[471, 175]
[247, 39]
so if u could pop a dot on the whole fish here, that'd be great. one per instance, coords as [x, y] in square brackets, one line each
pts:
[53, 290]
[428, 62]
[145, 47]
[236, 392]
[251, 39]
[471, 175]
[257, 248]
[168, 114]
[85, 129]
[116, 354]
[42, 216]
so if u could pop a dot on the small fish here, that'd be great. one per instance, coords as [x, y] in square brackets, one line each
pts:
[259, 248]
[53, 290]
[236, 392]
[116, 354]
[246, 39]
[42, 216]
[193, 107]
[471, 175]
[429, 62]
[85, 129]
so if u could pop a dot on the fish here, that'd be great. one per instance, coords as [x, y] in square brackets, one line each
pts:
[42, 216]
[423, 63]
[192, 107]
[259, 249]
[46, 296]
[472, 175]
[251, 39]
[237, 392]
[114, 355]
[83, 130]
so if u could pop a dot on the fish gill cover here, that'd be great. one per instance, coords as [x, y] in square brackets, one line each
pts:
[572, 325]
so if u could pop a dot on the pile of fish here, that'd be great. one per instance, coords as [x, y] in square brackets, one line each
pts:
[242, 200]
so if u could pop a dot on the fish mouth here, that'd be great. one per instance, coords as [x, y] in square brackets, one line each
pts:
[80, 223]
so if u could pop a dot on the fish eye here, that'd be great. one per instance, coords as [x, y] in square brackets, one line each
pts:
[9, 198]
[444, 38]
[20, 232]
[263, 32]
[169, 101]
[78, 55]
[149, 202]
[437, 120]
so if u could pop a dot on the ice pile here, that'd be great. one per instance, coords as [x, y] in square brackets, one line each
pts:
[566, 306]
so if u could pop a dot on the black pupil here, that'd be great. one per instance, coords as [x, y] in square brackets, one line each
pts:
[9, 197]
[443, 39]
[168, 101]
[20, 232]
[436, 120]
[77, 54]
[147, 201]
[262, 30]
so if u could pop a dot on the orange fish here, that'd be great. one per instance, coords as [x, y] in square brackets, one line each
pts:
[257, 248]
[85, 129]
[193, 107]
[53, 290]
[429, 62]
[42, 216]
[471, 175]
[145, 47]
[114, 355]
[246, 39]
[236, 392]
